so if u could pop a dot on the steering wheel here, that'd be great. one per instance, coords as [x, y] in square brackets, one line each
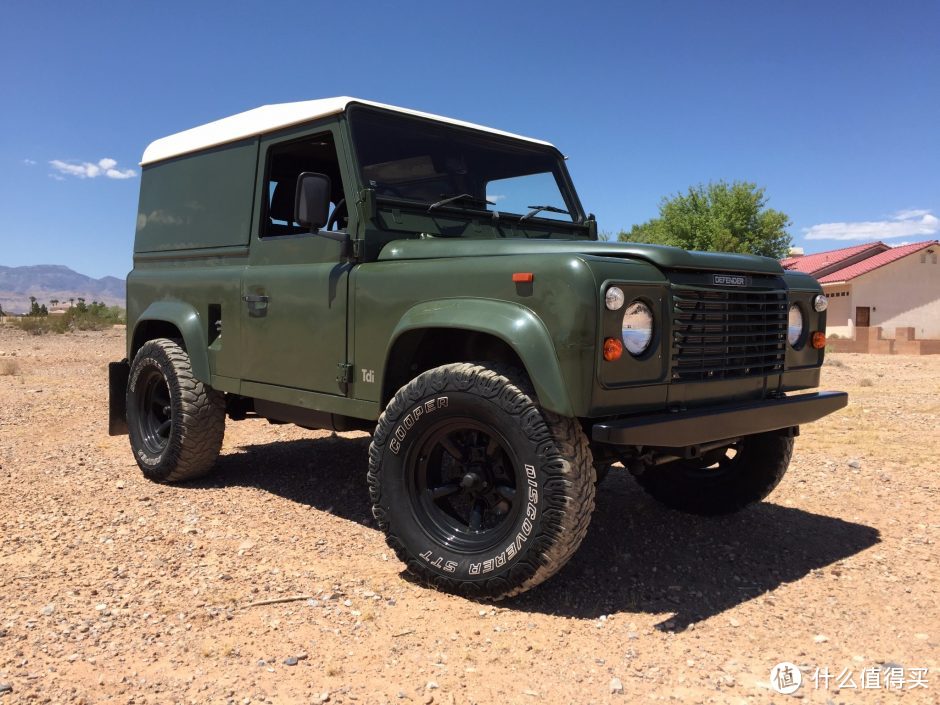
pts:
[339, 210]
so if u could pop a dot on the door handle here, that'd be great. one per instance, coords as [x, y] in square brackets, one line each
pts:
[257, 305]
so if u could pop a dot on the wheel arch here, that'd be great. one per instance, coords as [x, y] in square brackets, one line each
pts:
[436, 333]
[178, 320]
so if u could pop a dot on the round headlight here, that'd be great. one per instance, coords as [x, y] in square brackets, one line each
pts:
[820, 303]
[614, 298]
[795, 326]
[637, 327]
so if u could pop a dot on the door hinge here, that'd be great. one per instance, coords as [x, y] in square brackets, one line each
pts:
[345, 375]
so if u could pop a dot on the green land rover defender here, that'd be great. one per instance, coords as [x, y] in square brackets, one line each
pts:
[342, 264]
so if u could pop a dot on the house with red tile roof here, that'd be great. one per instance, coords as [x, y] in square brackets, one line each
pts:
[874, 285]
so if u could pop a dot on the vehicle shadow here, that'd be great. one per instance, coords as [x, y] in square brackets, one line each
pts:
[637, 556]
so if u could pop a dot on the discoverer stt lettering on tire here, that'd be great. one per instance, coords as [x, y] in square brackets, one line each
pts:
[478, 489]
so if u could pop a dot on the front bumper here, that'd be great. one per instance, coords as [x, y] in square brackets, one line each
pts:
[715, 423]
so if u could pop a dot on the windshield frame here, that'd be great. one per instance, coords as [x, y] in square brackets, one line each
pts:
[494, 140]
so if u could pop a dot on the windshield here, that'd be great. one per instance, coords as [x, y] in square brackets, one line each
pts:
[443, 167]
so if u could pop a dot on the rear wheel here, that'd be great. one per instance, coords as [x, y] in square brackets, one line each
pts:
[478, 489]
[725, 480]
[175, 422]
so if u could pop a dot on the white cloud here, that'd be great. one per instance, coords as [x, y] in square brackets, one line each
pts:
[120, 174]
[911, 213]
[29, 162]
[89, 170]
[495, 197]
[905, 223]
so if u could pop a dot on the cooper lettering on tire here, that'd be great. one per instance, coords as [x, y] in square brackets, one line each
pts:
[175, 422]
[477, 488]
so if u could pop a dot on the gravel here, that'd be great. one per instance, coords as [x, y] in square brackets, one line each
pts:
[151, 587]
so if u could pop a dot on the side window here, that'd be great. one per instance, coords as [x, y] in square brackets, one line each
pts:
[285, 162]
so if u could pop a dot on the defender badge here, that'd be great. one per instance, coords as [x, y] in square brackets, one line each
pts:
[729, 280]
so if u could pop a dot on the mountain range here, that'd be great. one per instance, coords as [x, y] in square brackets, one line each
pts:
[54, 281]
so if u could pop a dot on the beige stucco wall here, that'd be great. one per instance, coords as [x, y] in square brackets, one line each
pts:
[903, 293]
[839, 313]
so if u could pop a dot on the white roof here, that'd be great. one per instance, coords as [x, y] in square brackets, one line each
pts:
[268, 118]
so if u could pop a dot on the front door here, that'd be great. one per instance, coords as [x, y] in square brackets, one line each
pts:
[862, 316]
[294, 290]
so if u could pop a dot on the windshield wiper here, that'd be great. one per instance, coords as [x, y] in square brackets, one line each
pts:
[538, 209]
[461, 197]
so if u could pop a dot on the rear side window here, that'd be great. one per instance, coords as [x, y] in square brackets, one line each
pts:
[285, 162]
[198, 200]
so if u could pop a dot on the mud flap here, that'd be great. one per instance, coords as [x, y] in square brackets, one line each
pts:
[118, 372]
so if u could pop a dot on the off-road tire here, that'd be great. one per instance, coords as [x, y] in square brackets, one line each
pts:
[190, 445]
[750, 476]
[545, 455]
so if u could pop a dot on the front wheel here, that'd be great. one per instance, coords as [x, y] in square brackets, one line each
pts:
[175, 422]
[478, 489]
[725, 480]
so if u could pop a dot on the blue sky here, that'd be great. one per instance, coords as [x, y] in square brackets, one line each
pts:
[834, 107]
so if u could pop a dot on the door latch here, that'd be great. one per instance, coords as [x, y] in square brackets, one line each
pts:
[257, 304]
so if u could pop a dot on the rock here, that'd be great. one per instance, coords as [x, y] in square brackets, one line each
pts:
[855, 464]
[6, 688]
[48, 610]
[119, 484]
[324, 697]
[616, 686]
[820, 638]
[431, 686]
[291, 661]
[734, 622]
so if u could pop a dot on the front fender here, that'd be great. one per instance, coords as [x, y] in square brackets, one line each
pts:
[186, 320]
[515, 325]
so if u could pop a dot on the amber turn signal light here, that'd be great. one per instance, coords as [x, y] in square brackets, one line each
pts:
[613, 349]
[523, 277]
[819, 340]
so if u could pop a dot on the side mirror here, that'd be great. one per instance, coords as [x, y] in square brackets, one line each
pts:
[312, 202]
[592, 226]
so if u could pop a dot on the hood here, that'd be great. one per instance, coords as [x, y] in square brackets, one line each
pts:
[662, 256]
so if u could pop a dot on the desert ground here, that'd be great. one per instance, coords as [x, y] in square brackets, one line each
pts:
[117, 590]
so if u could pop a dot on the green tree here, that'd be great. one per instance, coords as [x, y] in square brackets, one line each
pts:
[719, 217]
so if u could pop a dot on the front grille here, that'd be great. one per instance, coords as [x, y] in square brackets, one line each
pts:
[722, 333]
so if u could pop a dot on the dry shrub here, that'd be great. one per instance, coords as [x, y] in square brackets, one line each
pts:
[865, 382]
[833, 362]
[9, 368]
[38, 325]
